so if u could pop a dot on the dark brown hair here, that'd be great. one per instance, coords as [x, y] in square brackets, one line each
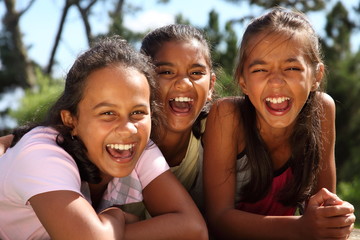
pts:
[111, 51]
[154, 40]
[305, 141]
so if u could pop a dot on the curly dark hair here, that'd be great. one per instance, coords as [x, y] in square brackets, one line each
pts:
[106, 52]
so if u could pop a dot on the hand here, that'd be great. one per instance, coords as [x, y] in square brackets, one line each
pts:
[327, 216]
[5, 142]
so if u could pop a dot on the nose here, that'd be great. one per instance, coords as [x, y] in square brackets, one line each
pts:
[183, 82]
[276, 79]
[126, 129]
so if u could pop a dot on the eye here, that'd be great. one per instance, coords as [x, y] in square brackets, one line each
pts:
[138, 115]
[108, 116]
[138, 112]
[108, 113]
[293, 69]
[258, 70]
[198, 73]
[164, 72]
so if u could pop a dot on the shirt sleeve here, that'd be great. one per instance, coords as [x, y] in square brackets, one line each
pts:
[151, 164]
[39, 165]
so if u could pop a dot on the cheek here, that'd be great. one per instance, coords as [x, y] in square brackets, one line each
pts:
[144, 127]
[164, 91]
[202, 88]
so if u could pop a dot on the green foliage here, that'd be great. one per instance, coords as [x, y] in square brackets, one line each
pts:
[303, 5]
[224, 51]
[179, 19]
[349, 191]
[7, 62]
[344, 87]
[117, 27]
[338, 30]
[225, 85]
[36, 102]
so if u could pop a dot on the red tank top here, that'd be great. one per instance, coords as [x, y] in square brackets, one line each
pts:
[269, 205]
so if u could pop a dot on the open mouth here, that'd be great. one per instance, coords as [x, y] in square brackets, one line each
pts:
[279, 104]
[120, 150]
[181, 104]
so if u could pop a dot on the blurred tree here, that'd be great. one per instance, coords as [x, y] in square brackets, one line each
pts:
[84, 7]
[15, 67]
[36, 102]
[224, 50]
[117, 24]
[68, 4]
[85, 15]
[344, 87]
[302, 5]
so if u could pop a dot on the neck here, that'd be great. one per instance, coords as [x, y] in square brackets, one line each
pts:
[277, 143]
[97, 190]
[174, 146]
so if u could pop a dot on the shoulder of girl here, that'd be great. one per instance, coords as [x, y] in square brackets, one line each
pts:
[327, 101]
[227, 103]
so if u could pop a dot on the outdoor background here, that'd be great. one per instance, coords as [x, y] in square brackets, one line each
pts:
[40, 39]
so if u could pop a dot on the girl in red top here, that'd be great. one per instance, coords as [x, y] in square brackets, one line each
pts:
[273, 149]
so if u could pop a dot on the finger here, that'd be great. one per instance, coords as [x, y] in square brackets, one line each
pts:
[333, 201]
[323, 196]
[338, 221]
[336, 233]
[336, 210]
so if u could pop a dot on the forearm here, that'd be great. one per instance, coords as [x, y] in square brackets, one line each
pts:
[114, 221]
[235, 224]
[168, 226]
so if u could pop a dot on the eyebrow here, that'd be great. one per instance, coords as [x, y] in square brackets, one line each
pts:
[257, 62]
[292, 59]
[262, 62]
[159, 64]
[105, 104]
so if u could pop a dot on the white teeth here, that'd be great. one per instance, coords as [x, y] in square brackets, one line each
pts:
[183, 99]
[277, 100]
[120, 146]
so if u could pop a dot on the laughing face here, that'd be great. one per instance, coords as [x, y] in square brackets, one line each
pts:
[113, 119]
[278, 78]
[185, 82]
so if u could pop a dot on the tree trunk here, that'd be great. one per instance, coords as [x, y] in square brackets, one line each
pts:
[85, 12]
[50, 65]
[21, 69]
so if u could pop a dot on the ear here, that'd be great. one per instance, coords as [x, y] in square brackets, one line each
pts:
[319, 74]
[212, 85]
[242, 85]
[69, 120]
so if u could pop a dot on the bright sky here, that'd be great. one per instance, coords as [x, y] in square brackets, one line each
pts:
[40, 23]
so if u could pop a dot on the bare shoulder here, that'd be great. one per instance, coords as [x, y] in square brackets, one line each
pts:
[328, 104]
[225, 107]
[224, 122]
[327, 100]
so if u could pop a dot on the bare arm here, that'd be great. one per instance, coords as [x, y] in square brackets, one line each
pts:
[175, 215]
[327, 173]
[66, 215]
[5, 142]
[221, 143]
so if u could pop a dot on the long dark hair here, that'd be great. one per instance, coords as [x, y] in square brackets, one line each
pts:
[106, 52]
[154, 40]
[305, 141]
